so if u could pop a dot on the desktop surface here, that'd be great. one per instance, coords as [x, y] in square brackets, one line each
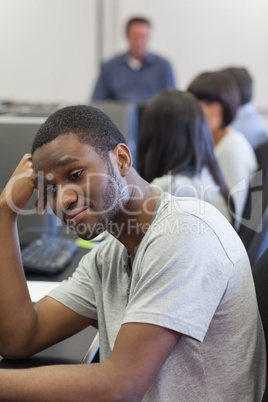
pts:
[69, 351]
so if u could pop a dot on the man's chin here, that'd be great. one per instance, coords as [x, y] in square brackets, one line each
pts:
[89, 230]
[87, 235]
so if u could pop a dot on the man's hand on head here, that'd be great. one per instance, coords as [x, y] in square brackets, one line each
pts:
[20, 186]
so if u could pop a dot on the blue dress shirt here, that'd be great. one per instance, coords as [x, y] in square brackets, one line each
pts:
[118, 81]
[249, 122]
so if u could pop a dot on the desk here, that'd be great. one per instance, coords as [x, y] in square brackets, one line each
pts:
[69, 351]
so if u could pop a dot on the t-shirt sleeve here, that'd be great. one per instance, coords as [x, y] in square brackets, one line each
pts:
[77, 292]
[181, 279]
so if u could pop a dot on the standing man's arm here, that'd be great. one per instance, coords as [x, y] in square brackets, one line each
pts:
[168, 79]
[101, 91]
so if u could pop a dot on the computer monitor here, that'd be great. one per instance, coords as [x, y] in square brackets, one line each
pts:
[126, 116]
[16, 136]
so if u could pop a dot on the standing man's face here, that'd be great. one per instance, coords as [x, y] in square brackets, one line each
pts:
[138, 38]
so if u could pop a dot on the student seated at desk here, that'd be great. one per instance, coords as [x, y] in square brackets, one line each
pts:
[176, 150]
[175, 305]
[219, 97]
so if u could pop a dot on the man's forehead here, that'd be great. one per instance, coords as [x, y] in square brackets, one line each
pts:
[54, 162]
[54, 155]
[65, 161]
[64, 151]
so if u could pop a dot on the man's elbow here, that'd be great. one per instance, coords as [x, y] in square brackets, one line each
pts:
[126, 389]
[14, 349]
[18, 345]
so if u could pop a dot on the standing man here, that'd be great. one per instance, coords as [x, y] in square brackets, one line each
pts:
[136, 75]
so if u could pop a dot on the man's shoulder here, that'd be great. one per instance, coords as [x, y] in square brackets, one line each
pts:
[183, 211]
[186, 208]
[115, 61]
[156, 58]
[188, 219]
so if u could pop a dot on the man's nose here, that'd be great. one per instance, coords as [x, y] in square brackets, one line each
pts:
[66, 197]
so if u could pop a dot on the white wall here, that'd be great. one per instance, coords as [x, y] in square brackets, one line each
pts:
[198, 35]
[48, 47]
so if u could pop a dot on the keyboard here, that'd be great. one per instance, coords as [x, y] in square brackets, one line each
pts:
[48, 255]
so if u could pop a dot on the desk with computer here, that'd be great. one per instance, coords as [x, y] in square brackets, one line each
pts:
[36, 232]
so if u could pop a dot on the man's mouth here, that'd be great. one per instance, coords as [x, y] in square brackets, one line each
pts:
[73, 218]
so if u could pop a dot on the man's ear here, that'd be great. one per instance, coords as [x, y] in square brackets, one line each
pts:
[123, 158]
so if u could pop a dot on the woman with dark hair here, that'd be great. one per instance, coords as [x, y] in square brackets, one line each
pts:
[219, 97]
[176, 150]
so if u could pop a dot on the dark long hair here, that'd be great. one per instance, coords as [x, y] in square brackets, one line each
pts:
[175, 138]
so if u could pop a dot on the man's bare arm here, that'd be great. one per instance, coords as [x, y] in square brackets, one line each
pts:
[139, 352]
[25, 328]
[17, 315]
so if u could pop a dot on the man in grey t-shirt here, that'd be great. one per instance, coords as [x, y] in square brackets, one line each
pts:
[171, 288]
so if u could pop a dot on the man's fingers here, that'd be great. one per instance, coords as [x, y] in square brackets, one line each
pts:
[21, 185]
[41, 204]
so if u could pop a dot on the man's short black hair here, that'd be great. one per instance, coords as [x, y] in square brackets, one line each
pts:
[91, 125]
[135, 20]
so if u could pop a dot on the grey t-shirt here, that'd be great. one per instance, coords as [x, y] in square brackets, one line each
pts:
[190, 274]
[201, 186]
[238, 162]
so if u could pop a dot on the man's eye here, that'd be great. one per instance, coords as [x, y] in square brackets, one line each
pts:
[75, 175]
[51, 190]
